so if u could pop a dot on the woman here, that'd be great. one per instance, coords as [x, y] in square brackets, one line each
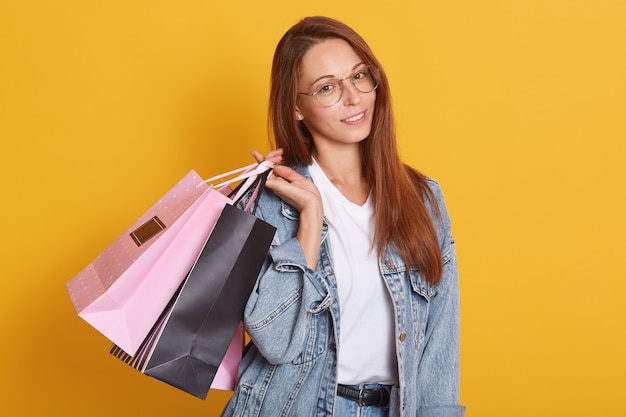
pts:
[355, 312]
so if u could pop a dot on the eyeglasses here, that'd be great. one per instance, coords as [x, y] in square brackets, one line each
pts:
[329, 92]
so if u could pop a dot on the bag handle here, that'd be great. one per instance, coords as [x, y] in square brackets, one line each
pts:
[259, 186]
[245, 170]
[248, 173]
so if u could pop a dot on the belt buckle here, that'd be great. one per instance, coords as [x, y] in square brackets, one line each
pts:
[361, 396]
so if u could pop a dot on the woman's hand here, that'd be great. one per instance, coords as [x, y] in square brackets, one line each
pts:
[293, 188]
[296, 190]
[300, 193]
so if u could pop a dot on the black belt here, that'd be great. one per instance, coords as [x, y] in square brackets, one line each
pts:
[378, 397]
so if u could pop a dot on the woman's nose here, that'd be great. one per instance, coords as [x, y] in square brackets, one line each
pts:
[350, 94]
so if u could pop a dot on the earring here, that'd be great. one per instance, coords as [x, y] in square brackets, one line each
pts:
[299, 116]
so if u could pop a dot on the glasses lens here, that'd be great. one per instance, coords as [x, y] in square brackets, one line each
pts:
[329, 93]
[364, 80]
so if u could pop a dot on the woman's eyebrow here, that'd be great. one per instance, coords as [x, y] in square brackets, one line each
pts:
[333, 76]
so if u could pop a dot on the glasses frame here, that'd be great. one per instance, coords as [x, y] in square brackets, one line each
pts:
[340, 84]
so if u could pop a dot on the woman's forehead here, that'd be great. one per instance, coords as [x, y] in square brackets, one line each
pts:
[333, 58]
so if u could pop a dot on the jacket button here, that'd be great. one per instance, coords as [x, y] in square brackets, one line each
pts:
[389, 264]
[403, 337]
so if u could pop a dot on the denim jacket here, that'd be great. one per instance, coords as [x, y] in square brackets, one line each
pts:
[293, 319]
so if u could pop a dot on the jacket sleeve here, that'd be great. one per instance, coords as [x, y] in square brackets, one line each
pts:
[439, 366]
[286, 292]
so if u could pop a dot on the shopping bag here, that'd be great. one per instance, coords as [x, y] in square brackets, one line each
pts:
[125, 289]
[226, 374]
[190, 342]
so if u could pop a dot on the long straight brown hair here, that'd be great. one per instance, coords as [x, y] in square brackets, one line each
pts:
[401, 194]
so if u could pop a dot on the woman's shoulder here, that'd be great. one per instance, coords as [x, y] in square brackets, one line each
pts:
[435, 188]
[437, 208]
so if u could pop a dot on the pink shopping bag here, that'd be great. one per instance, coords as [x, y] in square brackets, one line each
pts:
[123, 292]
[193, 340]
[226, 375]
[125, 289]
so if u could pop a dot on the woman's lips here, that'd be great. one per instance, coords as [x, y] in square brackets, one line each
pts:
[356, 119]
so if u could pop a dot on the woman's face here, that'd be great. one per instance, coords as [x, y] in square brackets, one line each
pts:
[346, 122]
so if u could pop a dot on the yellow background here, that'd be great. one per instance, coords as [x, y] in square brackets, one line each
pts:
[516, 107]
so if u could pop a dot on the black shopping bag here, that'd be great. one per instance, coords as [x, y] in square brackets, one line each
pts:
[186, 348]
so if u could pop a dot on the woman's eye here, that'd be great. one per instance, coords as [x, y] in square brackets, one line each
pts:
[326, 89]
[360, 75]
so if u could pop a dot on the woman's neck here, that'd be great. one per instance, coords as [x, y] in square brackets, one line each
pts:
[344, 170]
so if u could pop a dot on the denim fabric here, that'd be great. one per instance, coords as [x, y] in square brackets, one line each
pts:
[293, 319]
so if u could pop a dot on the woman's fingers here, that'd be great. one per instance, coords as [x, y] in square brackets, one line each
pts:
[295, 189]
[287, 173]
[275, 156]
[258, 156]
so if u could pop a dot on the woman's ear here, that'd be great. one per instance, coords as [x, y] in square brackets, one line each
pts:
[299, 115]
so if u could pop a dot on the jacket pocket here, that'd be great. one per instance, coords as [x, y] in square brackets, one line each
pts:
[423, 293]
[421, 287]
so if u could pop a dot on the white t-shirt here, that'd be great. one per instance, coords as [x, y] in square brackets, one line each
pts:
[366, 349]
